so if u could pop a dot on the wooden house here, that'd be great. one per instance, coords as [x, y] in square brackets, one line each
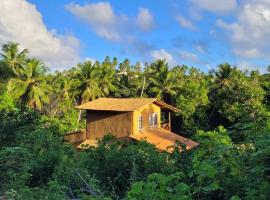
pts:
[133, 118]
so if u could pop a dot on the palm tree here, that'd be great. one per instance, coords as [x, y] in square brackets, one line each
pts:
[93, 81]
[125, 67]
[88, 78]
[65, 87]
[226, 89]
[106, 80]
[162, 82]
[5, 72]
[14, 58]
[29, 86]
[224, 74]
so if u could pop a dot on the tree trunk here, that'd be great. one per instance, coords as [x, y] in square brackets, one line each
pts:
[143, 86]
[79, 119]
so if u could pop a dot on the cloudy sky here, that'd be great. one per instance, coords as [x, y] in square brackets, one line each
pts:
[200, 33]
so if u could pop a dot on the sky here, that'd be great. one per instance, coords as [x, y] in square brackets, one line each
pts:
[198, 33]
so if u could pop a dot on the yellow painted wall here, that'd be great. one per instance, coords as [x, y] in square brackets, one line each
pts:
[145, 112]
[120, 124]
[100, 123]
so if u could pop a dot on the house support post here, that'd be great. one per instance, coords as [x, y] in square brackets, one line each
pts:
[170, 121]
[87, 126]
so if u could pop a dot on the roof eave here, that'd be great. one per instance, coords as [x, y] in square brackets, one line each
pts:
[83, 108]
[166, 106]
[160, 103]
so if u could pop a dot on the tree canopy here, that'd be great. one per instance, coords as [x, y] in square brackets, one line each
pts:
[226, 110]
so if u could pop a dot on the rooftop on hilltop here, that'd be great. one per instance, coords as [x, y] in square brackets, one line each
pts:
[130, 119]
[123, 104]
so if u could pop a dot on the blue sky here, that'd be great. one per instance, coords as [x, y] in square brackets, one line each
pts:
[199, 33]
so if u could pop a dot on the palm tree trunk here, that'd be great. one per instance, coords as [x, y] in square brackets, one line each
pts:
[79, 119]
[143, 86]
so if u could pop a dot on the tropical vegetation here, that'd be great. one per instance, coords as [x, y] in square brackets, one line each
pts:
[226, 110]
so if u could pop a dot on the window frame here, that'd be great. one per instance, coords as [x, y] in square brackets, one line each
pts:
[153, 119]
[140, 123]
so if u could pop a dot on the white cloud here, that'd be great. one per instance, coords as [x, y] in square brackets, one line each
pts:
[92, 60]
[108, 24]
[189, 56]
[244, 65]
[162, 54]
[249, 34]
[200, 48]
[185, 23]
[145, 20]
[21, 22]
[216, 6]
[116, 27]
[100, 16]
[94, 13]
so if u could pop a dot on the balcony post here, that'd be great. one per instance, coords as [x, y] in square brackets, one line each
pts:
[169, 121]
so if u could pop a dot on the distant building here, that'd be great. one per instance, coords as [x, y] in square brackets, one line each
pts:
[133, 118]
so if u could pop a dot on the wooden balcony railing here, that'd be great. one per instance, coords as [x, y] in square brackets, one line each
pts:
[75, 136]
[166, 126]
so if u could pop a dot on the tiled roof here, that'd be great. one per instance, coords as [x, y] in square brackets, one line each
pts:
[123, 104]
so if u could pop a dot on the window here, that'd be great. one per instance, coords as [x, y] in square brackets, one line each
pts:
[153, 119]
[140, 123]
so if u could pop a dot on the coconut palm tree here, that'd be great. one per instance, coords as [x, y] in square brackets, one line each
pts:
[106, 80]
[224, 71]
[29, 87]
[125, 66]
[88, 82]
[65, 87]
[162, 81]
[93, 81]
[13, 57]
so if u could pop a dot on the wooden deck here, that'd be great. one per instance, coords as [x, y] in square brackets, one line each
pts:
[76, 137]
[163, 139]
[87, 143]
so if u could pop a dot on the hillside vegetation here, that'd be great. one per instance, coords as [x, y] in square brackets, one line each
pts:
[226, 110]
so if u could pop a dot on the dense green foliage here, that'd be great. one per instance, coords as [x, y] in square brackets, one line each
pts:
[225, 110]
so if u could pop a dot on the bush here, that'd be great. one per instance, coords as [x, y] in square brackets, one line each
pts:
[118, 165]
[161, 187]
[14, 166]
